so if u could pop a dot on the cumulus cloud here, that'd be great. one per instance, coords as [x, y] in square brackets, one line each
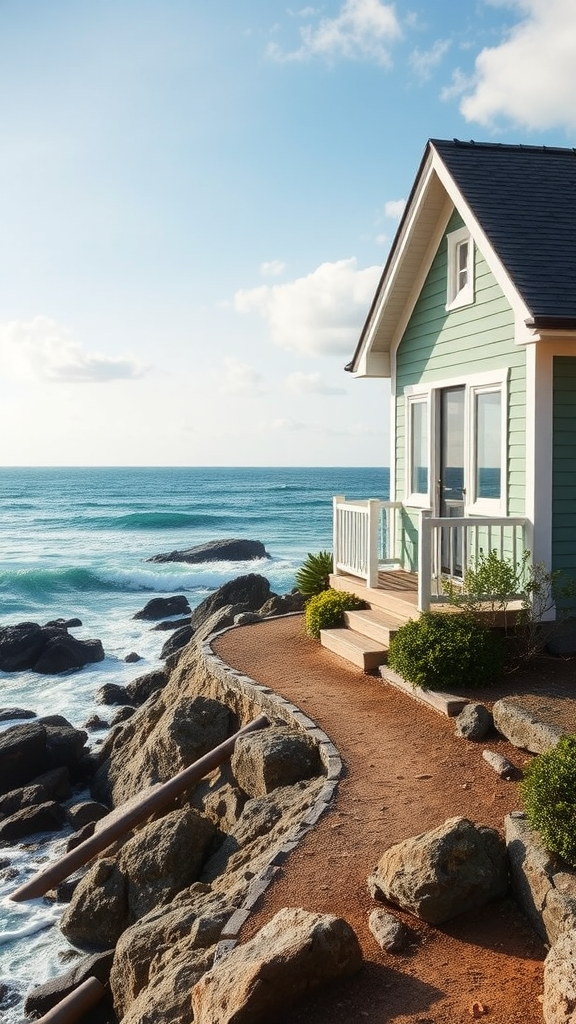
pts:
[394, 208]
[530, 78]
[272, 268]
[311, 383]
[424, 62]
[43, 349]
[320, 314]
[362, 30]
[238, 378]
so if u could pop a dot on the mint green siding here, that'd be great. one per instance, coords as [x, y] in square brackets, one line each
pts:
[564, 465]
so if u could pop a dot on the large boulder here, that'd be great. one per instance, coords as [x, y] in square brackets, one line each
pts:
[98, 911]
[46, 817]
[20, 645]
[249, 592]
[164, 607]
[544, 885]
[559, 1005]
[64, 743]
[439, 874]
[274, 757]
[46, 649]
[293, 954]
[144, 686]
[43, 997]
[22, 755]
[180, 637]
[217, 551]
[523, 727]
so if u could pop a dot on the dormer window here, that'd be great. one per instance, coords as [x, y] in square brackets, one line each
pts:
[460, 269]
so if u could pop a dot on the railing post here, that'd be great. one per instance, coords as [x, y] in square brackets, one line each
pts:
[372, 567]
[424, 561]
[336, 532]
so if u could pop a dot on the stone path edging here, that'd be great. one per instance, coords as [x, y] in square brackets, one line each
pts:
[269, 702]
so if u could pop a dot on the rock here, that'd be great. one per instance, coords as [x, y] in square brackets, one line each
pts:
[22, 755]
[143, 687]
[163, 607]
[559, 1005]
[273, 757]
[168, 624]
[439, 874]
[85, 813]
[248, 591]
[94, 723]
[217, 551]
[63, 653]
[112, 693]
[27, 796]
[283, 604]
[147, 952]
[46, 817]
[44, 997]
[500, 764]
[180, 637]
[98, 911]
[63, 623]
[247, 618]
[20, 646]
[132, 657]
[293, 954]
[122, 715]
[220, 619]
[473, 722]
[12, 714]
[80, 836]
[56, 782]
[389, 932]
[544, 886]
[64, 743]
[519, 725]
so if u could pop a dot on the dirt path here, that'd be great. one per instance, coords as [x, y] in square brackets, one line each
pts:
[405, 772]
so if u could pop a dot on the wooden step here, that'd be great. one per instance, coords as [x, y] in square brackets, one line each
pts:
[355, 648]
[374, 624]
[446, 703]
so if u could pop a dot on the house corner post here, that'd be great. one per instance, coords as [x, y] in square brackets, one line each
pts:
[336, 500]
[424, 561]
[373, 524]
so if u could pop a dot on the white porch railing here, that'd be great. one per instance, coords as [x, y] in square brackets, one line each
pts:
[369, 535]
[364, 536]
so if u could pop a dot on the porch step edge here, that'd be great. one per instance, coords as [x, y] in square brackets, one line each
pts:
[374, 624]
[354, 647]
[446, 703]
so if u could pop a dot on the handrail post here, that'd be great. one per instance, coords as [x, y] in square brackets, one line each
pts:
[336, 500]
[372, 553]
[424, 561]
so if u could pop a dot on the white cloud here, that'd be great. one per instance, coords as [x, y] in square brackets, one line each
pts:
[530, 78]
[282, 424]
[311, 383]
[362, 30]
[320, 314]
[238, 378]
[272, 268]
[423, 62]
[43, 349]
[394, 208]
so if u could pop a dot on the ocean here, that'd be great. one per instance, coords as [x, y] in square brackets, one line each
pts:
[74, 543]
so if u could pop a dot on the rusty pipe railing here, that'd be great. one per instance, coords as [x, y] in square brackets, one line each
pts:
[151, 803]
[76, 1003]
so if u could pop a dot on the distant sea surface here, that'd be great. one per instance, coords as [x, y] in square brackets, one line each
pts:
[76, 543]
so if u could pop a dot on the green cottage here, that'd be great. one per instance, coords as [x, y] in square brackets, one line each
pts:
[474, 323]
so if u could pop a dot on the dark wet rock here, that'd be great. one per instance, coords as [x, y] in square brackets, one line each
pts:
[143, 687]
[233, 550]
[64, 743]
[27, 796]
[20, 646]
[13, 714]
[163, 607]
[22, 755]
[177, 641]
[44, 997]
[47, 817]
[78, 837]
[169, 624]
[112, 693]
[95, 722]
[64, 623]
[86, 812]
[62, 653]
[132, 657]
[56, 782]
[122, 715]
[248, 592]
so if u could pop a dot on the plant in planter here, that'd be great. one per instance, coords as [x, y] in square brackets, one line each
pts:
[549, 794]
[326, 610]
[313, 575]
[446, 651]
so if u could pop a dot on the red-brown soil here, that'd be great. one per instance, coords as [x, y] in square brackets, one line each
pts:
[405, 771]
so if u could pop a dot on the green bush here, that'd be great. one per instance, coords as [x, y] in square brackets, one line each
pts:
[312, 576]
[326, 610]
[549, 794]
[446, 651]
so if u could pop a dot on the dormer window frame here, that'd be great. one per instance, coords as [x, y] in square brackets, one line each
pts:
[460, 285]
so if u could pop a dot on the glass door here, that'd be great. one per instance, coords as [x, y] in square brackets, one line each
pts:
[451, 482]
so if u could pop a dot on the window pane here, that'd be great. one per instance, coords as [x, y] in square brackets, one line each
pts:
[488, 444]
[461, 266]
[419, 453]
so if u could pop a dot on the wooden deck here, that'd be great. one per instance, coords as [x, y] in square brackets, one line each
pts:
[396, 593]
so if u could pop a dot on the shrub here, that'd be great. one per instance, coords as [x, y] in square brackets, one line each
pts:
[312, 576]
[326, 610]
[445, 651]
[549, 794]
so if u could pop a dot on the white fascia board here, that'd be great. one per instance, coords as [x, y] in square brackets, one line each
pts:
[521, 312]
[373, 364]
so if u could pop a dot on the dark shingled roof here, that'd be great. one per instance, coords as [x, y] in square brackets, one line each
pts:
[524, 198]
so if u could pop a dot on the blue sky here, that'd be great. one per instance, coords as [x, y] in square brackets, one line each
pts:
[197, 198]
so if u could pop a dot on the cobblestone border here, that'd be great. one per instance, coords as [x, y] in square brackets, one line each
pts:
[278, 708]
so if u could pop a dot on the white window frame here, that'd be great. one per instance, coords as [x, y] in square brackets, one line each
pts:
[419, 396]
[481, 383]
[455, 296]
